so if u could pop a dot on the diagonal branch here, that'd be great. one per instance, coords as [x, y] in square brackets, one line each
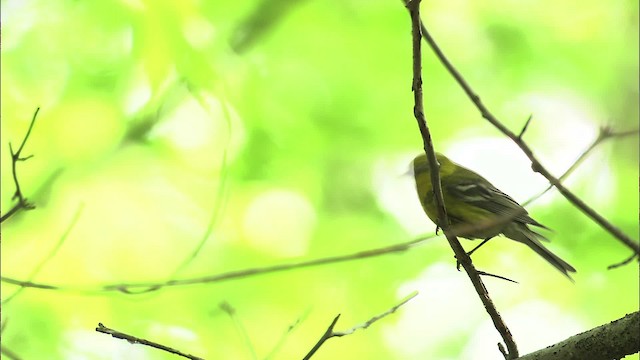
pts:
[9, 353]
[242, 331]
[136, 340]
[259, 22]
[535, 164]
[36, 270]
[222, 187]
[461, 255]
[328, 334]
[604, 134]
[5, 351]
[284, 336]
[614, 340]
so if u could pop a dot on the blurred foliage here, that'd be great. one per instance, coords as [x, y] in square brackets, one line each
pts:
[285, 128]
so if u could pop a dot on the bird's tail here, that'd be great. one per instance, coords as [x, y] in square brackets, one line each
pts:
[523, 234]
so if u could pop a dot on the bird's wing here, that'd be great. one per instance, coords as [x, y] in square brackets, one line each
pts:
[484, 195]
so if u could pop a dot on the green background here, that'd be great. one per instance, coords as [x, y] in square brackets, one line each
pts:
[286, 127]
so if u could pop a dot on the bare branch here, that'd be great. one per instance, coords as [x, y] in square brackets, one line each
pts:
[604, 134]
[136, 340]
[329, 333]
[535, 164]
[461, 255]
[610, 341]
[369, 322]
[4, 350]
[9, 353]
[623, 262]
[231, 311]
[145, 287]
[22, 203]
[326, 336]
[30, 284]
[137, 288]
[261, 20]
[284, 337]
[222, 186]
[50, 255]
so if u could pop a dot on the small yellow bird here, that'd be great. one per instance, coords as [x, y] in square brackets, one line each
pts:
[471, 201]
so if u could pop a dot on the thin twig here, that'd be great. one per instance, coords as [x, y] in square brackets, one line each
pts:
[525, 127]
[483, 273]
[30, 284]
[264, 17]
[15, 157]
[326, 336]
[414, 10]
[136, 340]
[231, 311]
[10, 354]
[4, 350]
[137, 288]
[369, 322]
[329, 333]
[146, 287]
[623, 262]
[604, 134]
[284, 336]
[535, 164]
[50, 255]
[3, 325]
[222, 185]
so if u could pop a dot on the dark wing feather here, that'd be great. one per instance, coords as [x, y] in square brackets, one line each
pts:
[482, 194]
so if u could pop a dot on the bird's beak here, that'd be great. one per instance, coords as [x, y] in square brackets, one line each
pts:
[409, 171]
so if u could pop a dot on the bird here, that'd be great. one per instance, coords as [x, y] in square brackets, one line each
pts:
[476, 209]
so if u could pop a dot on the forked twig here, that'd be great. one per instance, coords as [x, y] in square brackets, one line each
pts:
[329, 333]
[15, 157]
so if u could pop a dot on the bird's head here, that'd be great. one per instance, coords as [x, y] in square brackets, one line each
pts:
[421, 164]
